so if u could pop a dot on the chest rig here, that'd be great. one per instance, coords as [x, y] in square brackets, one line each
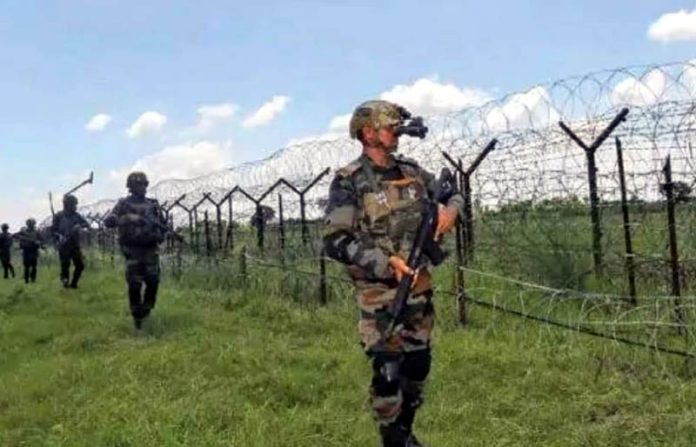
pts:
[391, 208]
[147, 233]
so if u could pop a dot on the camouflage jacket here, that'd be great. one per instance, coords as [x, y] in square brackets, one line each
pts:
[374, 213]
[5, 243]
[65, 229]
[149, 231]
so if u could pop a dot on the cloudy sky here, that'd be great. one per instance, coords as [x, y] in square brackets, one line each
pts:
[181, 88]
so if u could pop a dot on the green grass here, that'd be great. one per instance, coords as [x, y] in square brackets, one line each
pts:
[222, 365]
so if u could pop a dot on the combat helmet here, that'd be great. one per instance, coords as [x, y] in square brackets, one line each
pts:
[135, 178]
[69, 199]
[5, 227]
[375, 113]
[31, 222]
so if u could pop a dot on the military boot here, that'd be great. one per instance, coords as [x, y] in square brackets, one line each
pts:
[394, 435]
[414, 442]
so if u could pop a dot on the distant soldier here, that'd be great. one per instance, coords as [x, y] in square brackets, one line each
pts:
[66, 232]
[6, 251]
[30, 242]
[142, 226]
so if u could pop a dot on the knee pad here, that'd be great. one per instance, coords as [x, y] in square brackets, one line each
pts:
[386, 375]
[386, 397]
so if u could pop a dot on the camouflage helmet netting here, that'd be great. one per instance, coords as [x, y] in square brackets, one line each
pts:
[374, 113]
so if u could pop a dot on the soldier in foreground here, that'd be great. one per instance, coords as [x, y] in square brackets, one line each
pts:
[30, 242]
[372, 216]
[6, 251]
[142, 226]
[66, 232]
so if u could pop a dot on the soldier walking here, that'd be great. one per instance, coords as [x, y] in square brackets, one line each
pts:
[142, 226]
[6, 251]
[372, 216]
[30, 242]
[66, 233]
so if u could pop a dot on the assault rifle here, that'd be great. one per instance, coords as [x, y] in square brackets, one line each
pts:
[165, 228]
[424, 243]
[21, 236]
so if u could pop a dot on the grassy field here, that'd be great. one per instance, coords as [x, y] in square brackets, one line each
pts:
[219, 364]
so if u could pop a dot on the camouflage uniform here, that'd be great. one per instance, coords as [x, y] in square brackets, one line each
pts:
[65, 229]
[139, 242]
[373, 213]
[6, 252]
[29, 242]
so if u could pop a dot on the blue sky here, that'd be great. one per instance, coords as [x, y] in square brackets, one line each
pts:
[66, 61]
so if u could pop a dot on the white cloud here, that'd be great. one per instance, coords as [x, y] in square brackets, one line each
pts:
[427, 96]
[212, 115]
[267, 112]
[16, 210]
[640, 92]
[98, 122]
[340, 123]
[147, 123]
[531, 109]
[181, 161]
[674, 26]
[30, 202]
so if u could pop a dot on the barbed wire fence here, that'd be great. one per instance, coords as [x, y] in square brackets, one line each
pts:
[578, 209]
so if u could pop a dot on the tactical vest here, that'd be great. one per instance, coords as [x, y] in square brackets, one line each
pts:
[390, 210]
[149, 232]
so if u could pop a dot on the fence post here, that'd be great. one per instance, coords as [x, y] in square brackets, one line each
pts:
[465, 182]
[303, 221]
[229, 240]
[218, 217]
[260, 225]
[630, 267]
[673, 248]
[322, 278]
[207, 234]
[281, 223]
[592, 181]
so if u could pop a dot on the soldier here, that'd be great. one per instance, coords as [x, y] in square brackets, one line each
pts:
[142, 226]
[371, 217]
[6, 251]
[29, 242]
[66, 232]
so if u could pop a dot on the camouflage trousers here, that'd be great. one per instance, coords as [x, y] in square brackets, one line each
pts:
[400, 360]
[142, 268]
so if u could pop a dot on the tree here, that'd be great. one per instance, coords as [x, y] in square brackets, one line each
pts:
[680, 190]
[263, 214]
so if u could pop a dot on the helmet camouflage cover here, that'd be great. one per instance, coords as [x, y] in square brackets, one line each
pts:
[376, 114]
[136, 177]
